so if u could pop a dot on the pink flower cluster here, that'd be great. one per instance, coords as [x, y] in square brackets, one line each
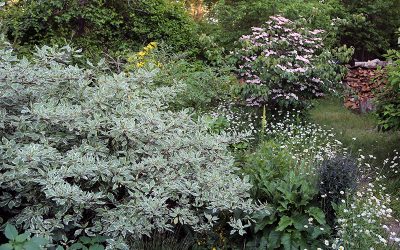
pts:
[282, 56]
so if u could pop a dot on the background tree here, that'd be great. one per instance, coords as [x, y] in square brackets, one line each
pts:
[98, 25]
[371, 27]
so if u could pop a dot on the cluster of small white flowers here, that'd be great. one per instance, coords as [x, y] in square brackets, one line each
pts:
[367, 215]
[308, 142]
[241, 119]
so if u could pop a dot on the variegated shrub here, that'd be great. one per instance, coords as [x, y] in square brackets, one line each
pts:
[84, 152]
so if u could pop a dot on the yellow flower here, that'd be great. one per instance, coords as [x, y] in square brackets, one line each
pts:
[140, 64]
[214, 248]
[150, 46]
[142, 53]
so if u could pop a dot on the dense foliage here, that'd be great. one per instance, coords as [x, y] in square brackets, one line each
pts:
[97, 25]
[284, 64]
[205, 85]
[388, 108]
[235, 18]
[296, 221]
[370, 26]
[87, 153]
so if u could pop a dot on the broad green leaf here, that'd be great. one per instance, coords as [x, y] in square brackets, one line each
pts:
[284, 222]
[299, 220]
[317, 214]
[274, 239]
[261, 224]
[96, 247]
[263, 242]
[318, 232]
[287, 242]
[22, 237]
[6, 246]
[85, 240]
[76, 246]
[10, 232]
[99, 239]
[39, 240]
[19, 247]
[32, 246]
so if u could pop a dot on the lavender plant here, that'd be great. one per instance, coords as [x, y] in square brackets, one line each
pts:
[83, 152]
[337, 176]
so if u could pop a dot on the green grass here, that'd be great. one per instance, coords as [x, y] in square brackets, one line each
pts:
[347, 124]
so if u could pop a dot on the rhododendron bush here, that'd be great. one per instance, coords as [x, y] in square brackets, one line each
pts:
[285, 64]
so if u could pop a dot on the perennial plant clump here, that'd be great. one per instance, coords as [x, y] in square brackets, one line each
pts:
[283, 179]
[83, 152]
[285, 64]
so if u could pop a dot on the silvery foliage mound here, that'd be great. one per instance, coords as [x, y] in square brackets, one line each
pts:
[85, 152]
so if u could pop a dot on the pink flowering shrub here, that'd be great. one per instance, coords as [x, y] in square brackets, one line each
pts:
[285, 64]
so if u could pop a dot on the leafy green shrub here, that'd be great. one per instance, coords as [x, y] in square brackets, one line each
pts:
[98, 26]
[236, 18]
[388, 102]
[269, 162]
[21, 241]
[294, 220]
[205, 85]
[87, 153]
[285, 65]
[369, 26]
[337, 176]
